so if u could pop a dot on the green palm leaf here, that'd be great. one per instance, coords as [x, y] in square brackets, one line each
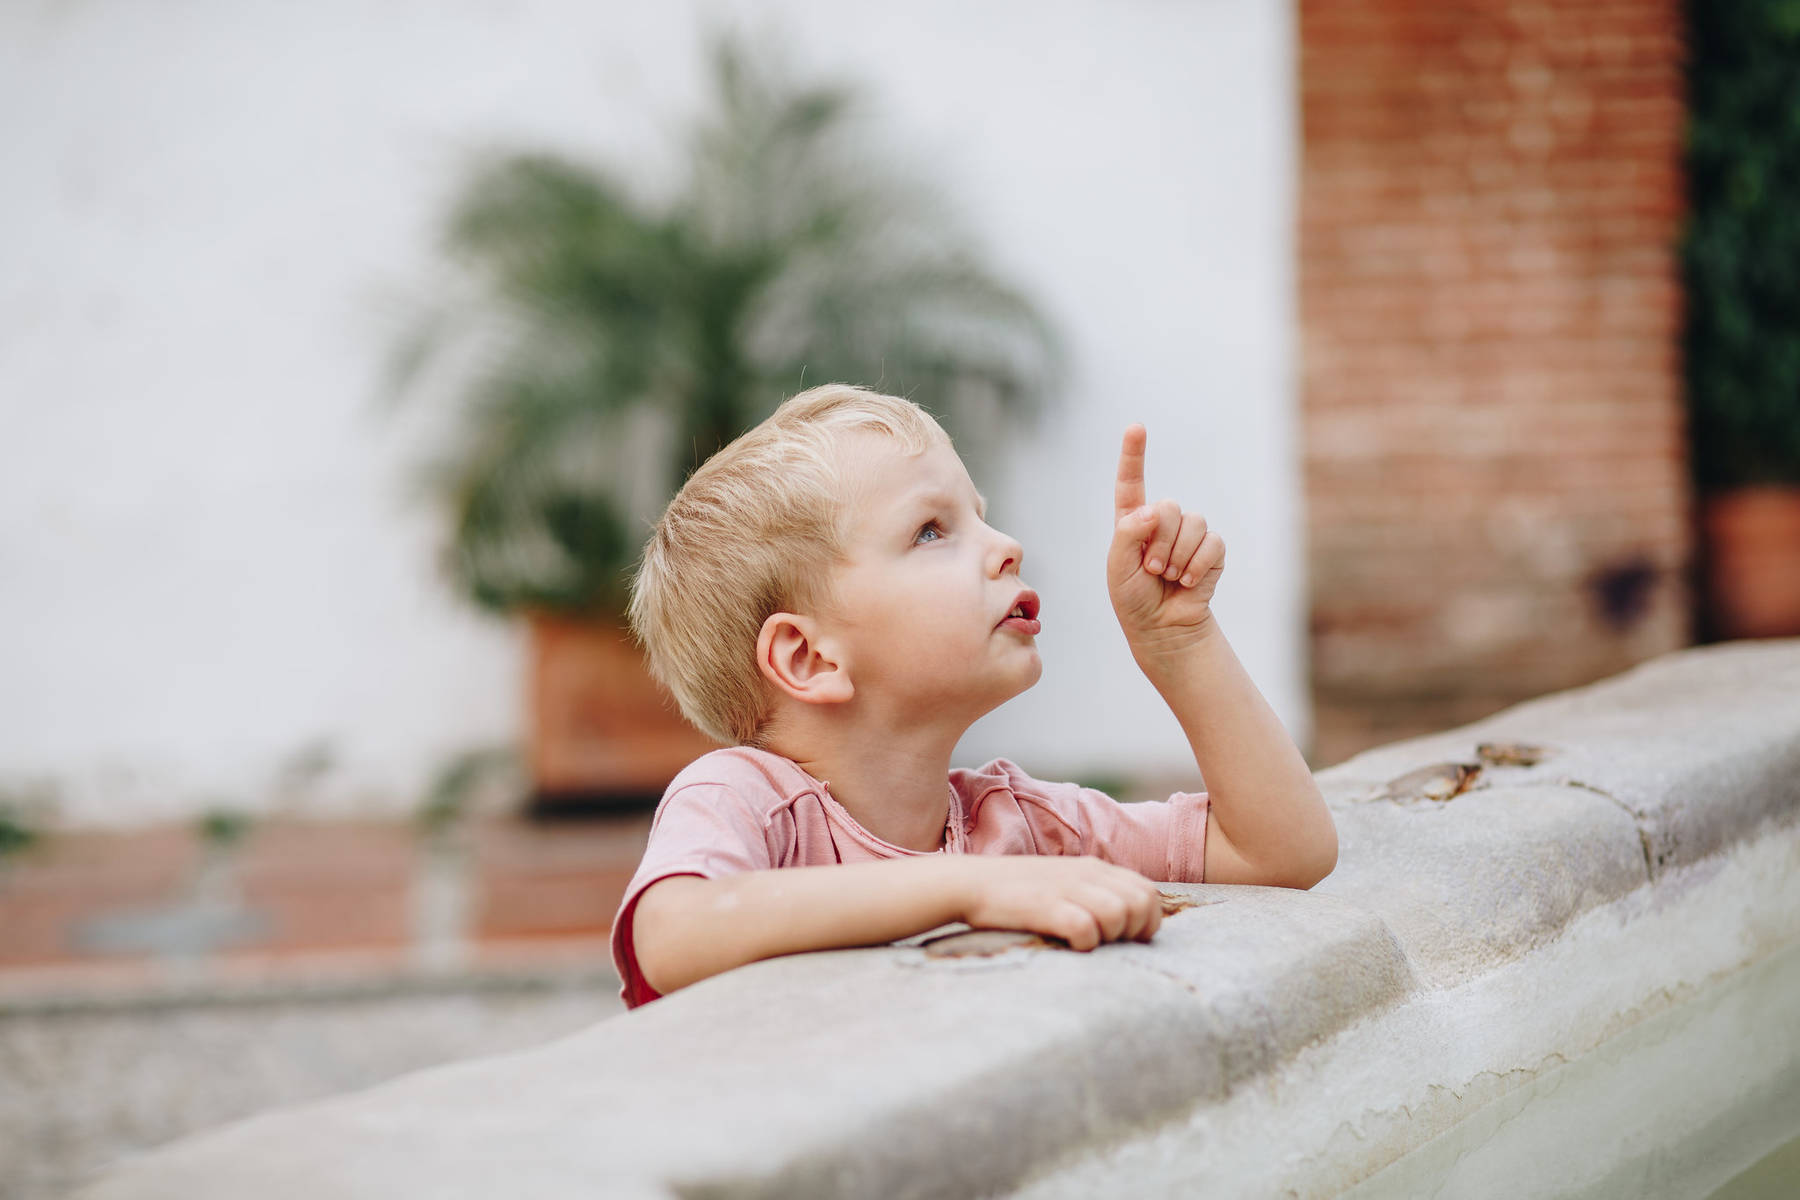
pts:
[602, 347]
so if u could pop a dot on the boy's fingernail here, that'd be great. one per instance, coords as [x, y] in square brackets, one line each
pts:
[1144, 513]
[1154, 567]
[1187, 581]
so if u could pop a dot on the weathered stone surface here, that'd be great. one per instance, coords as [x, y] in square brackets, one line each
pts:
[1470, 882]
[1701, 747]
[770, 1080]
[854, 1073]
[1280, 968]
[897, 1072]
[1563, 1039]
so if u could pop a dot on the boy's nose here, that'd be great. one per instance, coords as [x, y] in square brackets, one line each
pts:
[1006, 555]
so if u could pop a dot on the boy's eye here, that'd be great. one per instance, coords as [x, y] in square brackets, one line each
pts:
[931, 531]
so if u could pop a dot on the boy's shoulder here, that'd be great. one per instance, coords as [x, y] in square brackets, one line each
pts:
[760, 779]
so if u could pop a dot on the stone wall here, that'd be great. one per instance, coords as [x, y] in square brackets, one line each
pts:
[1538, 907]
[1495, 458]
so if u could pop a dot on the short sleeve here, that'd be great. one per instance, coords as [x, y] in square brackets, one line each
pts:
[705, 829]
[1162, 839]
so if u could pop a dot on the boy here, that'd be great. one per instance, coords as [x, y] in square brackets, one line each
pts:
[825, 596]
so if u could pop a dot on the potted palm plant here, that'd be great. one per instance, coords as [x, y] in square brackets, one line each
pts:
[595, 346]
[1742, 264]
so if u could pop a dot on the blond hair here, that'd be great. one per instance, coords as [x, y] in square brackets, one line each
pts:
[754, 531]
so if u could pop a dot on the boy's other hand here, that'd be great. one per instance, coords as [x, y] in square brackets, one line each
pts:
[1164, 564]
[1084, 901]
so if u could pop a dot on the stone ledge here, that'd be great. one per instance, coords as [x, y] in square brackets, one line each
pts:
[888, 1072]
[1405, 1102]
[1701, 747]
[1472, 882]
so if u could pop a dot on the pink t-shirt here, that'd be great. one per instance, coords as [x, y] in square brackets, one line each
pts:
[740, 809]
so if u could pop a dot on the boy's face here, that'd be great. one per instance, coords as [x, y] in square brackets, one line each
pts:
[924, 605]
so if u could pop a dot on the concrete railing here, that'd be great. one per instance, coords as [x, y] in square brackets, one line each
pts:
[1513, 958]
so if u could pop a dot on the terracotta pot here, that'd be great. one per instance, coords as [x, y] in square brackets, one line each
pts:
[1753, 561]
[601, 728]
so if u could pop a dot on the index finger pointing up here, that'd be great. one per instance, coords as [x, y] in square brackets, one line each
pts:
[1128, 491]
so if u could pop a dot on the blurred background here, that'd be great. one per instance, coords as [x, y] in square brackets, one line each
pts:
[347, 353]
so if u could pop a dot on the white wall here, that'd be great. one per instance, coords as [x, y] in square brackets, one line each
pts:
[208, 555]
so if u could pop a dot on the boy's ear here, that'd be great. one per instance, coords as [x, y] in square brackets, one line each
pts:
[793, 653]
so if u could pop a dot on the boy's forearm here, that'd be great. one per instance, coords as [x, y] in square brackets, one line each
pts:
[1263, 795]
[687, 928]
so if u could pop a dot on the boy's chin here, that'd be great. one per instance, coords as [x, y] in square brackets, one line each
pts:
[1015, 686]
[999, 699]
[1032, 676]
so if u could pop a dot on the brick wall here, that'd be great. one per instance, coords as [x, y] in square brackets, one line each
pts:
[1494, 451]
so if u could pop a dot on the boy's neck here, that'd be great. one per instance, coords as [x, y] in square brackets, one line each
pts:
[897, 787]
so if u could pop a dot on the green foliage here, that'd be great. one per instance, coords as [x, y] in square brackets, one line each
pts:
[1742, 252]
[28, 815]
[1116, 786]
[604, 345]
[222, 826]
[17, 832]
[460, 780]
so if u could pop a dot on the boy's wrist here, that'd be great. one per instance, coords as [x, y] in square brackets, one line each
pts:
[953, 885]
[1160, 649]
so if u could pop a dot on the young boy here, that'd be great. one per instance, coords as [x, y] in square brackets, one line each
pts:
[825, 596]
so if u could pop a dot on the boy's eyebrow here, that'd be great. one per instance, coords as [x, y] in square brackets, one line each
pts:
[934, 496]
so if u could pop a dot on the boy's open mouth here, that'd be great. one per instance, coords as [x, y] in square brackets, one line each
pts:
[1023, 616]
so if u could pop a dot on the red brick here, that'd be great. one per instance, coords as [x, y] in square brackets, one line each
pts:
[563, 879]
[1490, 313]
[54, 888]
[330, 884]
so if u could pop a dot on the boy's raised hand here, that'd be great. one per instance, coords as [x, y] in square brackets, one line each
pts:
[1164, 564]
